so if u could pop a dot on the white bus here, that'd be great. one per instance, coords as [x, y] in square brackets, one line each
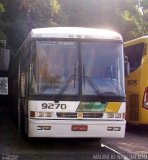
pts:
[69, 82]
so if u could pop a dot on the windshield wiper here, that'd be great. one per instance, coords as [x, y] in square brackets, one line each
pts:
[95, 88]
[72, 77]
[92, 85]
[64, 88]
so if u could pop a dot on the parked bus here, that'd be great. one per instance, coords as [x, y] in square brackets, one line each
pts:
[4, 64]
[69, 82]
[137, 82]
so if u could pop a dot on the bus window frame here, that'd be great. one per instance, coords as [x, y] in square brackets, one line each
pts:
[143, 53]
[79, 96]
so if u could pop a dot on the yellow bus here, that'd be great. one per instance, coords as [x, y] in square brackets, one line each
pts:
[137, 82]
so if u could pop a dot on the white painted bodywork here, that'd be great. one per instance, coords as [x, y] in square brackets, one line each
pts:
[61, 127]
[75, 32]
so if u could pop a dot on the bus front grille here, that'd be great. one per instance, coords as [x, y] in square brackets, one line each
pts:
[74, 115]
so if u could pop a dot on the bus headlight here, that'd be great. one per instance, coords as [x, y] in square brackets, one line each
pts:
[114, 115]
[110, 115]
[117, 115]
[40, 114]
[48, 114]
[34, 114]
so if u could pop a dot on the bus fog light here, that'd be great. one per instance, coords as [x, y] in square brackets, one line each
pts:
[39, 127]
[48, 114]
[47, 127]
[118, 115]
[110, 115]
[117, 128]
[110, 128]
[40, 114]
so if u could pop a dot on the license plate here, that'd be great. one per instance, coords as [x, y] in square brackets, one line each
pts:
[79, 127]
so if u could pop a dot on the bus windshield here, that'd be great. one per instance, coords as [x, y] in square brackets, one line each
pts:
[56, 67]
[54, 63]
[102, 68]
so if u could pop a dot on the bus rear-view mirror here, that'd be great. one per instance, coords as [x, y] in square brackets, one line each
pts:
[126, 68]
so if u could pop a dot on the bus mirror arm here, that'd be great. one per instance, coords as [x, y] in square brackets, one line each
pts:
[126, 68]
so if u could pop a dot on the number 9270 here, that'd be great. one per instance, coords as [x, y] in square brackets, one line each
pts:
[53, 106]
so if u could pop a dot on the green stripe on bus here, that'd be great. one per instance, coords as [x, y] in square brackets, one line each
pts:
[91, 107]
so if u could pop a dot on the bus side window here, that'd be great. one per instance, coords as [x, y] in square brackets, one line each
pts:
[134, 54]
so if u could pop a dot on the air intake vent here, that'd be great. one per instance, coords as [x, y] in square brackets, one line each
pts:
[74, 115]
[134, 107]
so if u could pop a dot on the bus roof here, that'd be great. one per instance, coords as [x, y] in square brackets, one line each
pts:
[75, 32]
[136, 41]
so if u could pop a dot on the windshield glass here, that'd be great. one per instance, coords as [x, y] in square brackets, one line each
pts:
[54, 66]
[102, 64]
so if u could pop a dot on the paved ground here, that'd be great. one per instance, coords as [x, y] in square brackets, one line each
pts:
[14, 147]
[134, 145]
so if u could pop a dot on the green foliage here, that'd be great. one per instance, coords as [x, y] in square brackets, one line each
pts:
[2, 10]
[55, 7]
[18, 17]
[16, 27]
[2, 24]
[22, 16]
[132, 26]
[40, 12]
[119, 15]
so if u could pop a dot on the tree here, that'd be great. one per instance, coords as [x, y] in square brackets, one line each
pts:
[144, 4]
[133, 23]
[118, 15]
[22, 16]
[2, 24]
[17, 17]
[41, 12]
[16, 27]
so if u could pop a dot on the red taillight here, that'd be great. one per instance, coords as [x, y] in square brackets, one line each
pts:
[145, 98]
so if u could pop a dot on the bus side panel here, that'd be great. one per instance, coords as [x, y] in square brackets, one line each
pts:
[133, 96]
[144, 84]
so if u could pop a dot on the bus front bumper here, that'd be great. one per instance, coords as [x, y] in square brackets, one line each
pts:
[64, 128]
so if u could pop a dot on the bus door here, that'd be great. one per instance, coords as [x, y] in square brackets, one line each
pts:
[23, 85]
